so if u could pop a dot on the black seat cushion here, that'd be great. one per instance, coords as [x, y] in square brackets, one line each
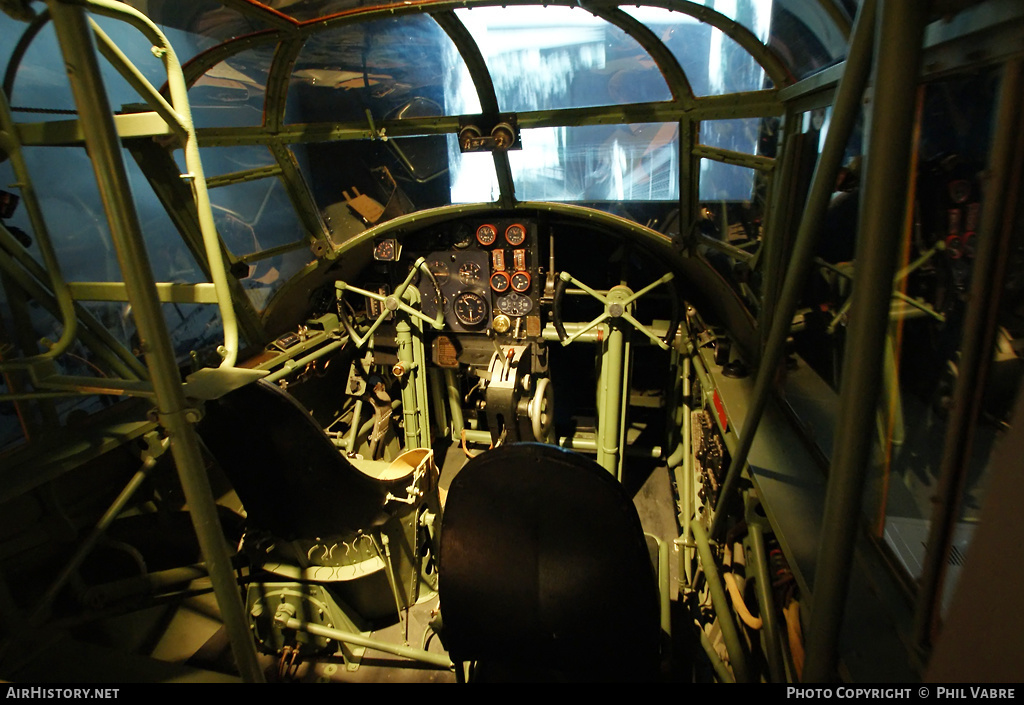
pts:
[543, 560]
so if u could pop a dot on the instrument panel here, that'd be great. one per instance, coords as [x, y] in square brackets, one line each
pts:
[487, 273]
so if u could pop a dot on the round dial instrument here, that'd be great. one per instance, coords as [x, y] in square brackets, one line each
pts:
[470, 273]
[384, 251]
[521, 281]
[486, 234]
[439, 268]
[500, 281]
[515, 304]
[515, 234]
[470, 308]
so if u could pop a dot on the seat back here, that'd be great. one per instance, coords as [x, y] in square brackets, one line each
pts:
[292, 480]
[544, 565]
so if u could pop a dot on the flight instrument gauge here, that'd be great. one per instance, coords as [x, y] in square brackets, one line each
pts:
[521, 281]
[470, 273]
[500, 282]
[470, 308]
[515, 304]
[386, 250]
[515, 234]
[439, 268]
[486, 234]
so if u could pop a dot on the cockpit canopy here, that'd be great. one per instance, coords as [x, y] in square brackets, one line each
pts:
[319, 120]
[596, 96]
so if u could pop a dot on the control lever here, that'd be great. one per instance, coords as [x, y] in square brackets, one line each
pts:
[506, 360]
[494, 341]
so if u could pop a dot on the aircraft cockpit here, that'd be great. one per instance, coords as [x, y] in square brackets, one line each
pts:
[472, 341]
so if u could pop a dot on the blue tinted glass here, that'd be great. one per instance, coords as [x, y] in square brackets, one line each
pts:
[225, 160]
[544, 58]
[231, 93]
[40, 87]
[197, 25]
[268, 275]
[806, 38]
[714, 63]
[725, 182]
[65, 185]
[254, 216]
[398, 67]
[740, 135]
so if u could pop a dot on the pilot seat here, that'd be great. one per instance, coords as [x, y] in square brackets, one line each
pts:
[544, 571]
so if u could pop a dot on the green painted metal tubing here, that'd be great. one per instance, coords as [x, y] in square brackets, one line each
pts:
[609, 401]
[136, 79]
[454, 404]
[723, 609]
[353, 430]
[721, 670]
[94, 385]
[360, 640]
[437, 397]
[766, 602]
[297, 365]
[10, 146]
[41, 608]
[95, 535]
[178, 92]
[92, 333]
[140, 585]
[663, 578]
[771, 253]
[97, 123]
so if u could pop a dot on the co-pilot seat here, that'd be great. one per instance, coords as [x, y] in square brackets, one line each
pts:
[315, 517]
[293, 481]
[544, 571]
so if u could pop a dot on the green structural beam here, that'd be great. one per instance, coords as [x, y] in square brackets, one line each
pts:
[73, 32]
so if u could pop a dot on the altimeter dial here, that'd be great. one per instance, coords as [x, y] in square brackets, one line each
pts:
[470, 308]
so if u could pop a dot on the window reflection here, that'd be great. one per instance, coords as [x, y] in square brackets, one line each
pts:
[637, 162]
[714, 63]
[231, 93]
[923, 348]
[557, 57]
[225, 160]
[396, 68]
[953, 165]
[254, 216]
